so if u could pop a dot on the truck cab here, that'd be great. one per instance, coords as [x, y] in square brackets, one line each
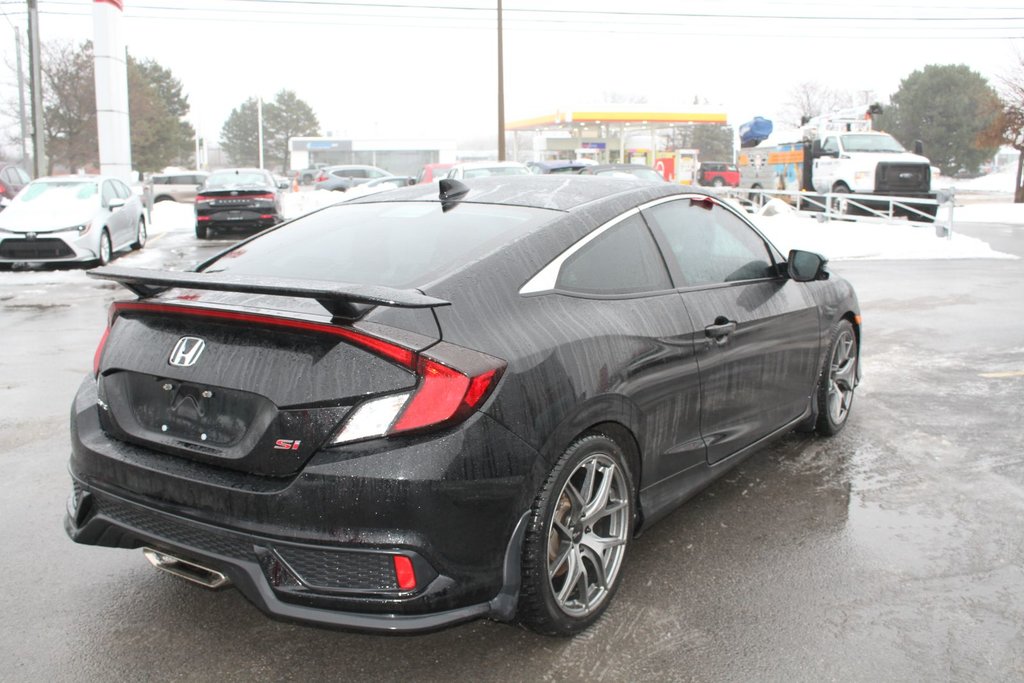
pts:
[868, 162]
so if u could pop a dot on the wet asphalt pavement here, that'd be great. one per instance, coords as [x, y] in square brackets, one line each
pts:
[893, 552]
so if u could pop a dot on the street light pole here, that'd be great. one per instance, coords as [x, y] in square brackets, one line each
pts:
[501, 91]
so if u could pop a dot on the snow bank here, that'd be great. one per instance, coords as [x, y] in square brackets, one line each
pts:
[840, 240]
[989, 212]
[994, 182]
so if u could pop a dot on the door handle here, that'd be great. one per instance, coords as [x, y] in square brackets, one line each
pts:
[721, 329]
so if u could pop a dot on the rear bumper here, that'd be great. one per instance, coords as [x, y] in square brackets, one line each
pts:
[319, 547]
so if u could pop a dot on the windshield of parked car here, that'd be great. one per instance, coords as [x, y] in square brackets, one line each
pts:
[495, 170]
[230, 178]
[395, 244]
[871, 143]
[61, 192]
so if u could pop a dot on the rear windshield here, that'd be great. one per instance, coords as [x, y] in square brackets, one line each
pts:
[396, 244]
[234, 178]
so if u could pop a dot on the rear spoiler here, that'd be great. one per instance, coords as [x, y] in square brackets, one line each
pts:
[348, 301]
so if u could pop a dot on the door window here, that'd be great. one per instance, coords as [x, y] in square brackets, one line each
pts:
[830, 145]
[623, 260]
[710, 244]
[108, 192]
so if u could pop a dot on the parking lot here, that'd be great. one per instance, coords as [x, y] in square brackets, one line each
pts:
[891, 552]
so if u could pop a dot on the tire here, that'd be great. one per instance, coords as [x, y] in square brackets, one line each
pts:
[572, 561]
[201, 231]
[717, 182]
[838, 380]
[141, 235]
[106, 251]
[840, 206]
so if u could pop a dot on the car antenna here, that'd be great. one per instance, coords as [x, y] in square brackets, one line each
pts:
[452, 189]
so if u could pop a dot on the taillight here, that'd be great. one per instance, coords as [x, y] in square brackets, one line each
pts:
[3, 189]
[98, 356]
[321, 178]
[99, 353]
[201, 198]
[267, 197]
[445, 395]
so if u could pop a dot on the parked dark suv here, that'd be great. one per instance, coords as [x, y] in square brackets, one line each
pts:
[718, 174]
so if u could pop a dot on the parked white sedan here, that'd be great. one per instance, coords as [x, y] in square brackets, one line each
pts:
[71, 219]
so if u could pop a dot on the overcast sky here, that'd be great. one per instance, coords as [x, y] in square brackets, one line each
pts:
[427, 68]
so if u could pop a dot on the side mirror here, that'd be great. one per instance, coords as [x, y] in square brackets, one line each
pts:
[919, 148]
[115, 203]
[805, 266]
[283, 185]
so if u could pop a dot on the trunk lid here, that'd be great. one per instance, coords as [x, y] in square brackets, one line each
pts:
[253, 383]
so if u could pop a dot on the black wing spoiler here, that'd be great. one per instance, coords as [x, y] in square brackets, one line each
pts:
[348, 301]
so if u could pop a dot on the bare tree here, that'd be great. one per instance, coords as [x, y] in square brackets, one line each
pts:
[809, 99]
[1008, 125]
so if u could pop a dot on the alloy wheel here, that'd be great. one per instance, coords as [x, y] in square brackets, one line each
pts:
[587, 535]
[842, 377]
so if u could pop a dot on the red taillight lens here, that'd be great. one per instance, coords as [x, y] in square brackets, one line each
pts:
[99, 353]
[438, 398]
[404, 573]
[265, 197]
[321, 178]
[203, 198]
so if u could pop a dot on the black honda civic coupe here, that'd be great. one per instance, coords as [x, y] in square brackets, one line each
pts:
[451, 401]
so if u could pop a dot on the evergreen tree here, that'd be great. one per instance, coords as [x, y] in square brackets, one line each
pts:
[238, 135]
[946, 107]
[287, 117]
[160, 134]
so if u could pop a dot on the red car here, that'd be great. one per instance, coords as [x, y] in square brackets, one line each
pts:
[431, 172]
[718, 174]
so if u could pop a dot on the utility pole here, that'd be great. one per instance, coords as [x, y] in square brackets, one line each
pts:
[501, 91]
[21, 96]
[36, 79]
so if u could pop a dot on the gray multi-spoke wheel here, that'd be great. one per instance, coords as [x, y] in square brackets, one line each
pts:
[106, 252]
[140, 234]
[580, 527]
[838, 380]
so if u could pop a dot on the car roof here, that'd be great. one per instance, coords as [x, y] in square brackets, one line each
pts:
[559, 192]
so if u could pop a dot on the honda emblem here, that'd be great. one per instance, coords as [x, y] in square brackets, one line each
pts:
[187, 351]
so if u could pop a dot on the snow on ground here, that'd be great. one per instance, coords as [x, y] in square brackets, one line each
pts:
[994, 182]
[990, 212]
[840, 240]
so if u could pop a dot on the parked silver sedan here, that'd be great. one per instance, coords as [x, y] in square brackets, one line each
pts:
[71, 219]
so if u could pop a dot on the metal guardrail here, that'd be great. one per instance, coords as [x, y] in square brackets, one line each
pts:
[832, 205]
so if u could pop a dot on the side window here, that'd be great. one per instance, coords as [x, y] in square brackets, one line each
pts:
[830, 145]
[159, 180]
[374, 173]
[710, 244]
[24, 177]
[623, 260]
[108, 192]
[122, 190]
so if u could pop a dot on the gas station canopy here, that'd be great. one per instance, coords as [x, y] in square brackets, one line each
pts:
[617, 116]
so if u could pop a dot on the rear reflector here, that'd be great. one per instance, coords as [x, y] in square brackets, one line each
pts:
[404, 573]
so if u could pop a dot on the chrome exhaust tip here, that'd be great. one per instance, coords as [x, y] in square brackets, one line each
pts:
[190, 571]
